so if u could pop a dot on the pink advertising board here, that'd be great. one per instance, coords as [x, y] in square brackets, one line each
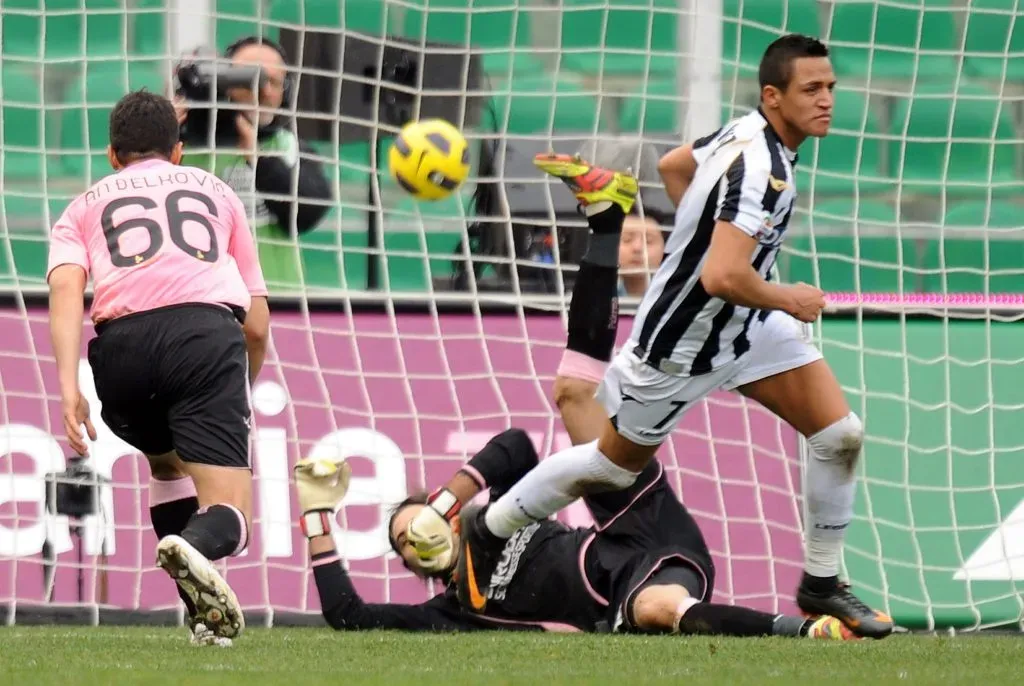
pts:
[411, 395]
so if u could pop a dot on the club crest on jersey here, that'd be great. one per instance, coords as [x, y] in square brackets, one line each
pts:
[778, 185]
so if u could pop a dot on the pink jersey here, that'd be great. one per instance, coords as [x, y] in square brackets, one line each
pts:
[156, 234]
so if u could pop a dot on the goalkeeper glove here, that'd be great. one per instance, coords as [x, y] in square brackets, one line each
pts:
[430, 531]
[321, 485]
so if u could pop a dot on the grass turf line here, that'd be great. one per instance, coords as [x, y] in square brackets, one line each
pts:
[307, 657]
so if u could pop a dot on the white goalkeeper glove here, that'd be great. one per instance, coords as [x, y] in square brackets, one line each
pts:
[431, 531]
[321, 485]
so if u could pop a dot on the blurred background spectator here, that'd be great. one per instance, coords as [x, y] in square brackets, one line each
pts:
[640, 253]
[522, 219]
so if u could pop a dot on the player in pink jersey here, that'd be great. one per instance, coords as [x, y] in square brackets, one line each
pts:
[181, 317]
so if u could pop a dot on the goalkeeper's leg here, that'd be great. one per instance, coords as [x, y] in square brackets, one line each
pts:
[593, 322]
[606, 197]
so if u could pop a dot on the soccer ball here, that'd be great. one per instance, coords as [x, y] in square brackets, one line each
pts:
[429, 159]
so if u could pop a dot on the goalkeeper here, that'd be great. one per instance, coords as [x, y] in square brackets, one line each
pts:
[644, 567]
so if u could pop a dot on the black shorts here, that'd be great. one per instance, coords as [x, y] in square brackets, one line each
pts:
[644, 536]
[176, 378]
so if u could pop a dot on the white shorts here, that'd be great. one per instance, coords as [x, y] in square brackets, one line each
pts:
[647, 403]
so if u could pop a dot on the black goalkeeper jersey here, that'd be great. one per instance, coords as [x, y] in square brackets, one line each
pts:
[538, 587]
[550, 576]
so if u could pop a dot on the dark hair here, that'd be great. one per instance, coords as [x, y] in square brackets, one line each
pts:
[289, 79]
[777, 63]
[418, 498]
[246, 41]
[143, 124]
[663, 217]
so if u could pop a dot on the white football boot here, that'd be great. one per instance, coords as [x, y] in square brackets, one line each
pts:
[217, 608]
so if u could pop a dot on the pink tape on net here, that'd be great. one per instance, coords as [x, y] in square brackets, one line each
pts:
[928, 299]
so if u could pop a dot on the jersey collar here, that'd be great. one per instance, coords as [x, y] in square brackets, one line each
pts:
[770, 130]
[146, 164]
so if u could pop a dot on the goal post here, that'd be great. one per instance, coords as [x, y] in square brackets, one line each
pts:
[413, 332]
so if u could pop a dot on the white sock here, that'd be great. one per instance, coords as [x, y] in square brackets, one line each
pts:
[829, 490]
[597, 207]
[554, 484]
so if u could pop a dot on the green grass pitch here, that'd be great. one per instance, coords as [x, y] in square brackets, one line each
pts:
[306, 657]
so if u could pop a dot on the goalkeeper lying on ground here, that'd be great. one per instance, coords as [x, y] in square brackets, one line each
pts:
[643, 567]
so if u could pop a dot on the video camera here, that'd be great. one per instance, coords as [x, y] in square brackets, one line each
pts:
[204, 84]
[75, 491]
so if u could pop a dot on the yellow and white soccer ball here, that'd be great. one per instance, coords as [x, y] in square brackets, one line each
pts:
[429, 159]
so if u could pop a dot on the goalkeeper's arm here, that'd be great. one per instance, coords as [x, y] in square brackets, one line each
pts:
[321, 486]
[502, 462]
[498, 466]
[345, 610]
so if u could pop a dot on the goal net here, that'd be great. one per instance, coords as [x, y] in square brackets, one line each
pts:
[410, 333]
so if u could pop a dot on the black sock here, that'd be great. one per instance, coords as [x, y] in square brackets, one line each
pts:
[788, 625]
[605, 235]
[726, 620]
[488, 538]
[216, 532]
[819, 584]
[170, 519]
[607, 221]
[594, 311]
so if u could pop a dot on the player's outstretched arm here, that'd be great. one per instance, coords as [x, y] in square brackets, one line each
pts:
[321, 486]
[67, 273]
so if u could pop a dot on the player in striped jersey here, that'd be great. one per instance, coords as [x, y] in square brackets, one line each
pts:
[711, 320]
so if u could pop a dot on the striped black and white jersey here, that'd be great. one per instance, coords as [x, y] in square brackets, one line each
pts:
[744, 176]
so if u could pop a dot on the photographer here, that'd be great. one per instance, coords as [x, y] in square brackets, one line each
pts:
[256, 148]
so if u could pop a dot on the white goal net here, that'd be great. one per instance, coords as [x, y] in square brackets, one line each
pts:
[413, 332]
